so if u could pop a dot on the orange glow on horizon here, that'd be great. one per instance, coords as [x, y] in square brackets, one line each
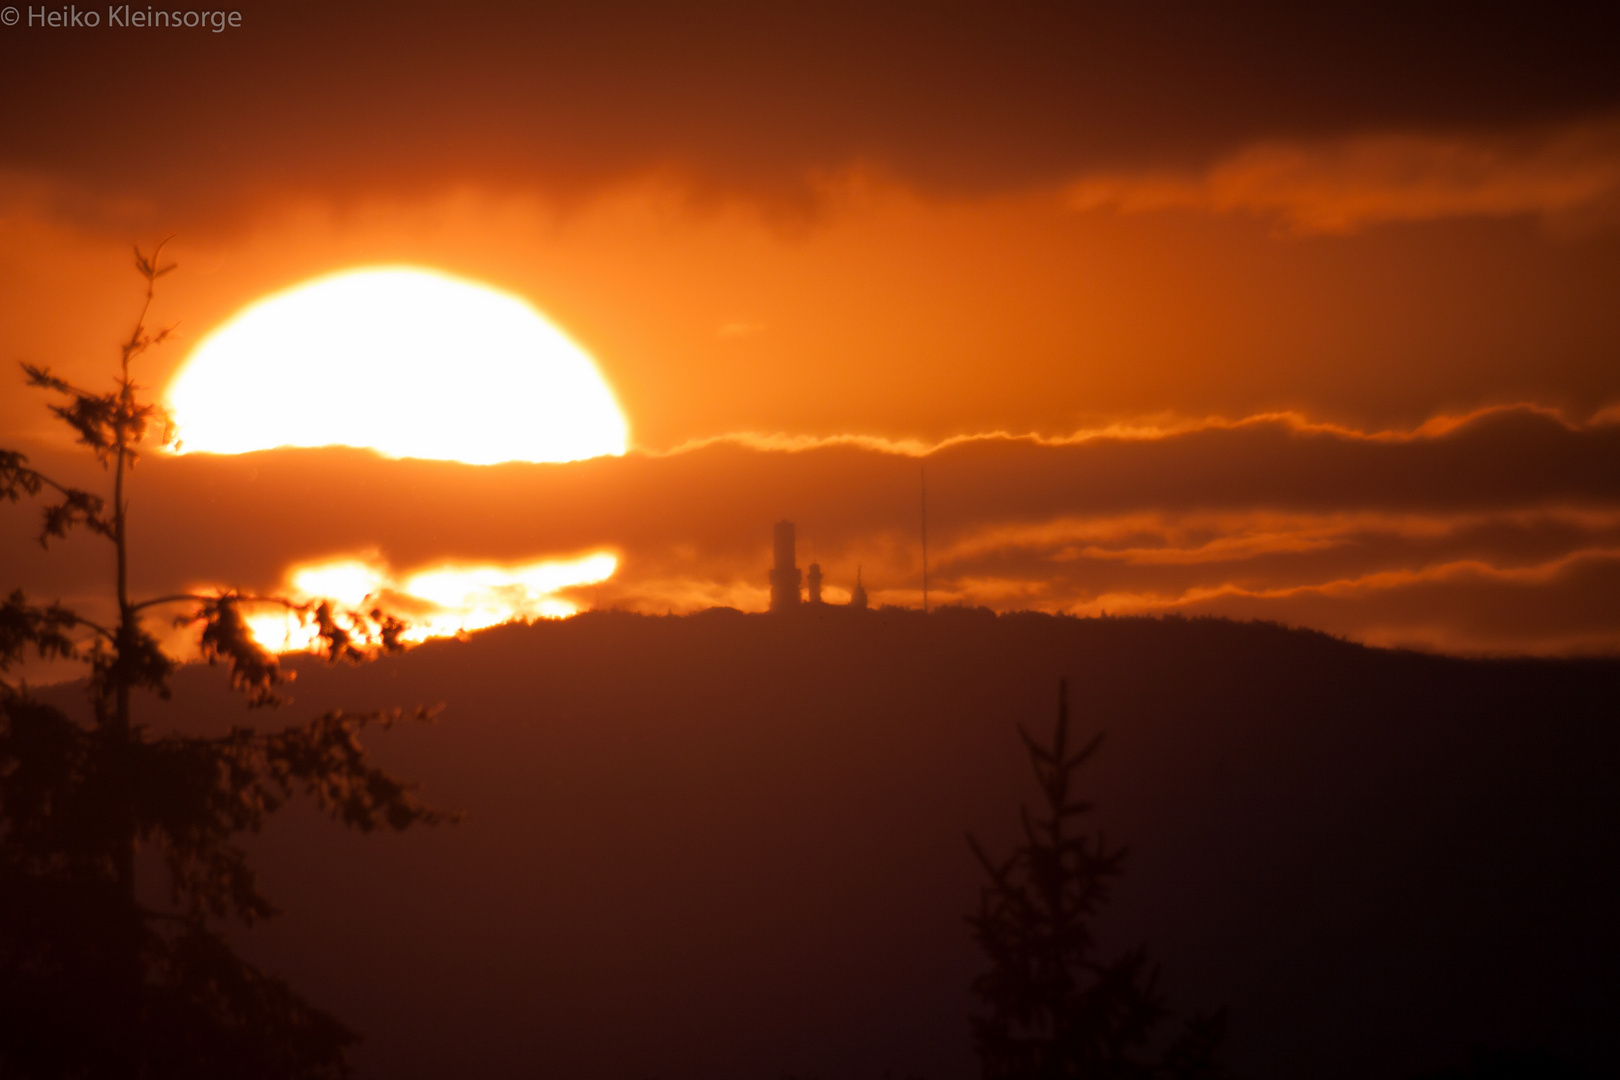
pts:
[401, 360]
[439, 601]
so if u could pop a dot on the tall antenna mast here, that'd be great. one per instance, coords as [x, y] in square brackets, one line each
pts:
[924, 471]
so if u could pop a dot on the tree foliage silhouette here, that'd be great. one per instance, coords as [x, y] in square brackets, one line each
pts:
[1052, 1008]
[93, 981]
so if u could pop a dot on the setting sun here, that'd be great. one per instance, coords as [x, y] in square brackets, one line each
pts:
[401, 360]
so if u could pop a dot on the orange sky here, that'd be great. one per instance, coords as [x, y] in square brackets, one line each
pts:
[913, 228]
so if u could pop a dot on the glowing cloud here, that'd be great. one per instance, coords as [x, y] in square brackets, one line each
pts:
[1344, 185]
[408, 362]
[440, 601]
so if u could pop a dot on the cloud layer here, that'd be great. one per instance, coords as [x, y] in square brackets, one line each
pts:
[308, 97]
[1570, 175]
[1494, 532]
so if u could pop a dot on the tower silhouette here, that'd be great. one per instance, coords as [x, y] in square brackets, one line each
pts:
[813, 579]
[785, 576]
[857, 599]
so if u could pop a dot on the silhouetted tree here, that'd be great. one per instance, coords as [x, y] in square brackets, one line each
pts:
[1052, 1008]
[94, 982]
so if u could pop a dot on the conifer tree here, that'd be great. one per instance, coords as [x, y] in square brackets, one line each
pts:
[1052, 1007]
[94, 981]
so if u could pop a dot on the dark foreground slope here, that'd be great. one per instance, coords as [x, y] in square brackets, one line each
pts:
[732, 846]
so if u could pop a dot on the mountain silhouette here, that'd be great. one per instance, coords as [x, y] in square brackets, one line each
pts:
[727, 845]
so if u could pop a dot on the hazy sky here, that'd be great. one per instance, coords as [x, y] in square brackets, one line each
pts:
[1365, 222]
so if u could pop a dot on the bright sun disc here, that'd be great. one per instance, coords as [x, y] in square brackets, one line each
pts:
[407, 362]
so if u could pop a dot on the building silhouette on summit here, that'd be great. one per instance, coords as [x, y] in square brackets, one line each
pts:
[786, 577]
